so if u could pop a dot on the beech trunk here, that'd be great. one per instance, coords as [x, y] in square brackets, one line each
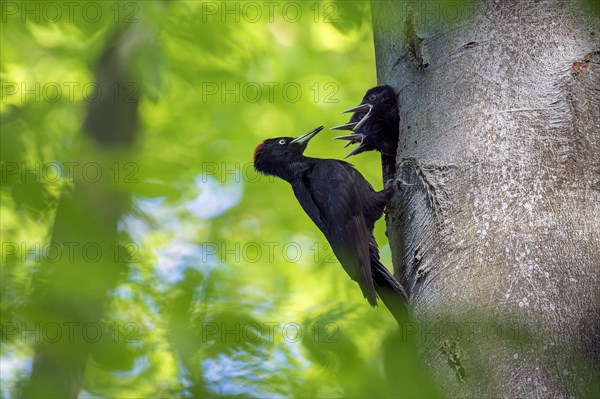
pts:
[496, 231]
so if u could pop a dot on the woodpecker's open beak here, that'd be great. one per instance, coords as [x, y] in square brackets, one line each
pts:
[305, 138]
[354, 151]
[345, 126]
[352, 139]
[360, 108]
[355, 138]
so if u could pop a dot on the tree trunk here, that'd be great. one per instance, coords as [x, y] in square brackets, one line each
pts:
[497, 239]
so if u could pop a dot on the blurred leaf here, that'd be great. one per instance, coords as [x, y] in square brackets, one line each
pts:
[208, 243]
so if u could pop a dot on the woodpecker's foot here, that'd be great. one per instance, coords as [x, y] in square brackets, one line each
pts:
[396, 183]
[390, 184]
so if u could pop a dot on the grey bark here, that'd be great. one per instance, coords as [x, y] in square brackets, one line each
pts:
[498, 237]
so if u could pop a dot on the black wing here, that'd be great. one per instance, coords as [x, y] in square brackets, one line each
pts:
[302, 192]
[329, 197]
[374, 202]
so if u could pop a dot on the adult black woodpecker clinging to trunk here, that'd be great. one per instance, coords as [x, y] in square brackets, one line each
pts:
[343, 205]
[375, 127]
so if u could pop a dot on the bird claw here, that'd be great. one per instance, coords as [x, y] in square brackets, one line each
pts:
[391, 184]
[396, 183]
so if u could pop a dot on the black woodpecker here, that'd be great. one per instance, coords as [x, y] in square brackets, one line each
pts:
[375, 127]
[343, 205]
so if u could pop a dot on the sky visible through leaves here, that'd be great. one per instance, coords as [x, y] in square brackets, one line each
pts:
[223, 287]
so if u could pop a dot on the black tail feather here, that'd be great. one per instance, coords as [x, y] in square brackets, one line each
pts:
[389, 290]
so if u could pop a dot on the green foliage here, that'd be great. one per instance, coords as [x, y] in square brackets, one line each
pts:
[216, 283]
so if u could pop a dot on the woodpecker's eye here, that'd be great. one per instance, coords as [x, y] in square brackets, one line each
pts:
[372, 97]
[282, 141]
[366, 128]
